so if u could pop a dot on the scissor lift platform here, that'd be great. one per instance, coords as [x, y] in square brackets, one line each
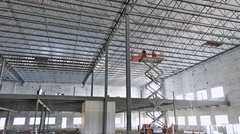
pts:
[146, 59]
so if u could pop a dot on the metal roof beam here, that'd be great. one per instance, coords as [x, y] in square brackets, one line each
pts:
[109, 45]
[158, 40]
[19, 53]
[190, 12]
[183, 21]
[75, 63]
[51, 42]
[88, 55]
[48, 65]
[180, 29]
[184, 37]
[108, 40]
[49, 62]
[35, 4]
[13, 73]
[25, 69]
[76, 53]
[52, 37]
[54, 57]
[51, 59]
[56, 32]
[159, 47]
[204, 60]
[51, 23]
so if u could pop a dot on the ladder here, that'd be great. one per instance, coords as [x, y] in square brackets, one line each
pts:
[155, 98]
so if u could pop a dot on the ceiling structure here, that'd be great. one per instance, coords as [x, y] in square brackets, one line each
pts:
[64, 41]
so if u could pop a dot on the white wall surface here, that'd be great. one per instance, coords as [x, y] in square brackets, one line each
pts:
[92, 117]
[223, 70]
[68, 89]
[144, 119]
[27, 115]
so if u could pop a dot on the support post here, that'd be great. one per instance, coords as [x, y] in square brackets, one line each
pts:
[139, 114]
[106, 93]
[7, 121]
[1, 72]
[128, 74]
[174, 109]
[124, 118]
[48, 120]
[92, 84]
[44, 117]
[74, 90]
[36, 110]
[41, 121]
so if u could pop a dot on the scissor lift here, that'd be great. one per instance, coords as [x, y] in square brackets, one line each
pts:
[156, 98]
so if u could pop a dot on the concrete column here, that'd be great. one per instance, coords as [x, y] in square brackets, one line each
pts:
[198, 119]
[27, 120]
[58, 122]
[174, 110]
[70, 120]
[74, 91]
[144, 92]
[92, 117]
[14, 89]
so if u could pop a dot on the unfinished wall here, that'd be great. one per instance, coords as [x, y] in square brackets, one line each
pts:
[122, 124]
[27, 115]
[68, 89]
[223, 70]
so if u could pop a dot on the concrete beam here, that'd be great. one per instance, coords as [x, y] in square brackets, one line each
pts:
[73, 103]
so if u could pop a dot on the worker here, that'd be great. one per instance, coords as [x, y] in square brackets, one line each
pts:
[132, 53]
[154, 55]
[52, 132]
[144, 54]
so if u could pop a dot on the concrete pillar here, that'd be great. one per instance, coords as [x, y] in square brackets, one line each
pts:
[174, 109]
[58, 122]
[92, 117]
[27, 120]
[70, 120]
[74, 91]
